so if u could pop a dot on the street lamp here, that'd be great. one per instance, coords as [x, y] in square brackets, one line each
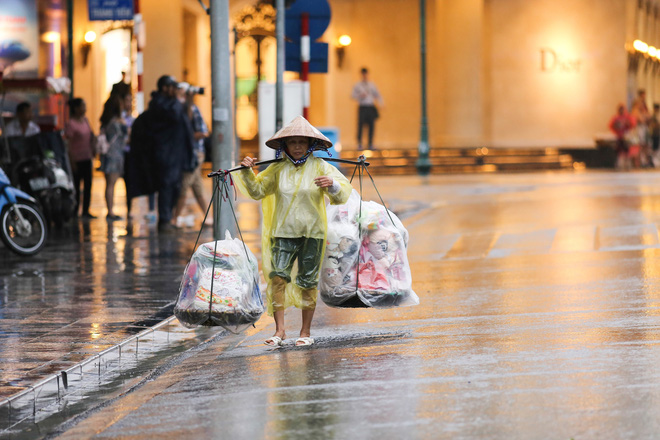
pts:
[86, 46]
[342, 42]
[423, 164]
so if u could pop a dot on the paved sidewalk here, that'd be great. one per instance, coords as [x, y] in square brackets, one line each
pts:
[95, 283]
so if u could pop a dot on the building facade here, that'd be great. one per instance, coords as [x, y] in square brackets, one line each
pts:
[501, 73]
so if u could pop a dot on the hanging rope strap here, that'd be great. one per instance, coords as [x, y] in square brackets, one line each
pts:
[380, 197]
[216, 185]
[215, 189]
[360, 167]
[206, 214]
[222, 182]
[224, 178]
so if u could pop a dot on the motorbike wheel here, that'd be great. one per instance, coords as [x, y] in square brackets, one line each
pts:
[25, 237]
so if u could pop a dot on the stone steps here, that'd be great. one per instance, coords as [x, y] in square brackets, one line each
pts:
[458, 160]
[465, 160]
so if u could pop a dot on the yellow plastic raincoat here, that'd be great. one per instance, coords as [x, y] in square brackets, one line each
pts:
[293, 206]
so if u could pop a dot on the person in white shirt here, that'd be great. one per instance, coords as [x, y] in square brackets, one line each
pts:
[22, 124]
[366, 94]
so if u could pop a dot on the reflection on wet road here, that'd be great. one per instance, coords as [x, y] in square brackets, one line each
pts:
[93, 285]
[538, 319]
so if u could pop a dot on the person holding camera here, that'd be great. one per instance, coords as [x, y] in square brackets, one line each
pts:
[193, 179]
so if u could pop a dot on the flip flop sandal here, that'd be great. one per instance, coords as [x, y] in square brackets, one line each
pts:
[302, 342]
[274, 341]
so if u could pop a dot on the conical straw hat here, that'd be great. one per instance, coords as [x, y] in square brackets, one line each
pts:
[298, 127]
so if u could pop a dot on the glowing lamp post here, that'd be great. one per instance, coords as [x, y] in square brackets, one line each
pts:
[423, 164]
[342, 43]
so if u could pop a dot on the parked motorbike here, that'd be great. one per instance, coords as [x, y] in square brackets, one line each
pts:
[50, 185]
[22, 225]
[39, 174]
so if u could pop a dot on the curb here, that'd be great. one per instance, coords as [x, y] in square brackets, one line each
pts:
[53, 389]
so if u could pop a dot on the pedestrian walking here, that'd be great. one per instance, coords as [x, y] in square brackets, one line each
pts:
[170, 128]
[81, 149]
[127, 116]
[621, 125]
[133, 173]
[639, 144]
[112, 161]
[293, 193]
[127, 113]
[193, 179]
[366, 94]
[121, 88]
[654, 132]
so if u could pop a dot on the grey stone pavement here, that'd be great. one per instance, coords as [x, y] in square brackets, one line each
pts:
[539, 318]
[94, 284]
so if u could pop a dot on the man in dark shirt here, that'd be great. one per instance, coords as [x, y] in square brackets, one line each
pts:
[121, 89]
[366, 94]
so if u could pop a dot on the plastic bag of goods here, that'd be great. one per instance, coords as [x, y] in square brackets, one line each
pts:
[220, 287]
[365, 263]
[337, 281]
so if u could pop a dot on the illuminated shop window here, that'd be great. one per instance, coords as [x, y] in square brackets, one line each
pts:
[255, 61]
[33, 46]
[116, 46]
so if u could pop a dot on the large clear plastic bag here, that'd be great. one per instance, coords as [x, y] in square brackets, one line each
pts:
[222, 294]
[365, 263]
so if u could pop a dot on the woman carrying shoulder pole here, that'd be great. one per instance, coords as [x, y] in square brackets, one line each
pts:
[293, 193]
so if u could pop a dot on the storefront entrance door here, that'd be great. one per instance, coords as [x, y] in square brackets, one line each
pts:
[116, 45]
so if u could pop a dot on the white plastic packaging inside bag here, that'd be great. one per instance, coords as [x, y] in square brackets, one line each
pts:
[220, 287]
[365, 263]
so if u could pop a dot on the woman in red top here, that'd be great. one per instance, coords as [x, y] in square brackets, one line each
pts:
[81, 142]
[620, 124]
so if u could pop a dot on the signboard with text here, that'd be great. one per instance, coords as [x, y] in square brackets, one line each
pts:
[19, 38]
[100, 10]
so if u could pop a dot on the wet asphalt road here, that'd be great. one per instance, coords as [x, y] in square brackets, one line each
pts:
[539, 319]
